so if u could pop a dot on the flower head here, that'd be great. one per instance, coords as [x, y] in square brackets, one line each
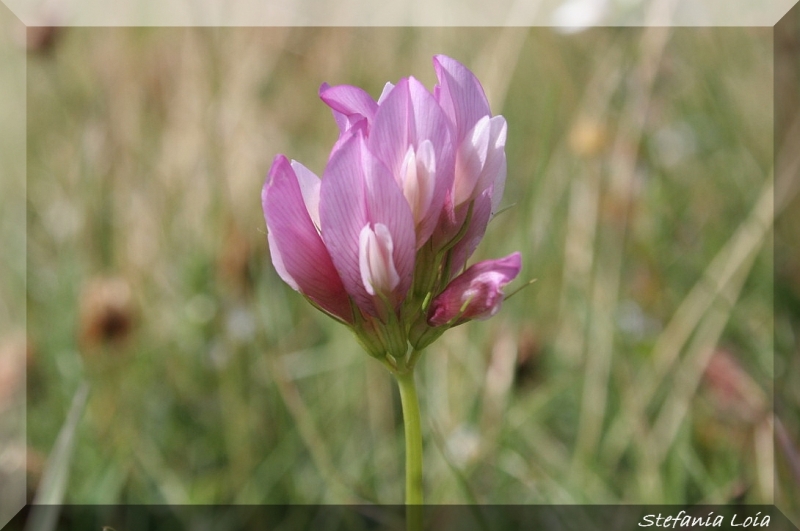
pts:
[405, 198]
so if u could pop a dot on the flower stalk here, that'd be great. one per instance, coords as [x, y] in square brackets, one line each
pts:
[412, 426]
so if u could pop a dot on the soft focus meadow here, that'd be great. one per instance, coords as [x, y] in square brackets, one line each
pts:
[637, 368]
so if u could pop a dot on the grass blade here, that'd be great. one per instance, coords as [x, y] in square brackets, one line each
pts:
[54, 479]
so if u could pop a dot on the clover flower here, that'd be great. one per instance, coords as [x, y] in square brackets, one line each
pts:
[405, 198]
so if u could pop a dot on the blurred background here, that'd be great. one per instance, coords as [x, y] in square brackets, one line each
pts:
[638, 368]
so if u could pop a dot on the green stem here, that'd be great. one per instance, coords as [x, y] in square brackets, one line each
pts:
[413, 432]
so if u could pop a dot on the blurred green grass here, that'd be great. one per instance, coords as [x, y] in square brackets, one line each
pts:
[633, 371]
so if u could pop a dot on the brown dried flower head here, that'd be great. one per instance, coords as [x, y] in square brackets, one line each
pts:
[106, 312]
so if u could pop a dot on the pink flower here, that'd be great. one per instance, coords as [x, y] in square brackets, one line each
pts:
[405, 198]
[475, 294]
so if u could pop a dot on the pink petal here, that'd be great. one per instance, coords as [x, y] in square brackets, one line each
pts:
[387, 88]
[359, 191]
[481, 214]
[309, 188]
[343, 213]
[448, 223]
[277, 262]
[407, 117]
[349, 104]
[393, 126]
[460, 94]
[297, 250]
[386, 205]
[477, 293]
[481, 158]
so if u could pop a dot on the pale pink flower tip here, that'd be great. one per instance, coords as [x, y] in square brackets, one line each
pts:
[475, 294]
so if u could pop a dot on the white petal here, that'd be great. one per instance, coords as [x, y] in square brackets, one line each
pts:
[471, 159]
[378, 272]
[418, 173]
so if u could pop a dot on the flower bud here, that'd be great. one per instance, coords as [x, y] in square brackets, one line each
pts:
[475, 294]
